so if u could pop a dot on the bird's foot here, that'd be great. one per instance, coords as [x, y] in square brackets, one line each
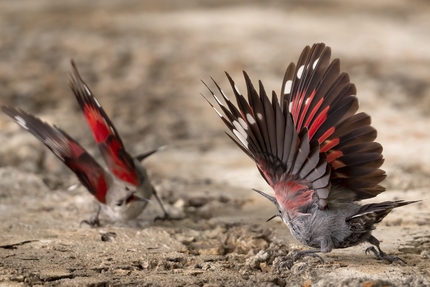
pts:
[298, 254]
[92, 222]
[382, 255]
[162, 218]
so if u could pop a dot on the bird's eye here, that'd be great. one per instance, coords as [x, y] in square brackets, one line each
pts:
[126, 188]
[120, 202]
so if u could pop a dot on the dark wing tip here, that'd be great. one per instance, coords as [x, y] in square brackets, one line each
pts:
[80, 89]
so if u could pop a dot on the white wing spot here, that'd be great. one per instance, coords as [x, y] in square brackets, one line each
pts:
[240, 129]
[300, 71]
[217, 100]
[237, 89]
[225, 96]
[315, 63]
[260, 116]
[95, 100]
[241, 138]
[20, 121]
[87, 90]
[290, 106]
[287, 88]
[250, 119]
[219, 114]
[243, 124]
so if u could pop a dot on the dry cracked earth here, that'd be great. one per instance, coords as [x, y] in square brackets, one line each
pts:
[144, 61]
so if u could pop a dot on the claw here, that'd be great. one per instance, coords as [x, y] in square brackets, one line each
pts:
[382, 255]
[163, 218]
[93, 221]
[166, 216]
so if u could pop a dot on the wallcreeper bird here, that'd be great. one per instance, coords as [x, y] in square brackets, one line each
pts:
[315, 151]
[124, 190]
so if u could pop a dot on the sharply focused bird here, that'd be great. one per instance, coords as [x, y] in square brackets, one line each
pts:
[123, 191]
[315, 151]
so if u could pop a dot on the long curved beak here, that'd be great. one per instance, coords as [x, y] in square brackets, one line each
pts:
[269, 197]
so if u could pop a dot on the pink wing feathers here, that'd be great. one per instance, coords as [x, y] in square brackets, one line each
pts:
[119, 162]
[312, 138]
[88, 171]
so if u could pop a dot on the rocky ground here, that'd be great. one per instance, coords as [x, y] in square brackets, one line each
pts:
[144, 61]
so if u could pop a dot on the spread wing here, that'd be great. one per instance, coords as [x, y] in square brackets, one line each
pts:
[119, 162]
[311, 138]
[322, 99]
[71, 153]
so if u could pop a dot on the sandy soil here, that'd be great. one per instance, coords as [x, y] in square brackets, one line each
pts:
[144, 60]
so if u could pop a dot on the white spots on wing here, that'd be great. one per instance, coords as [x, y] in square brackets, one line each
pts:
[224, 95]
[240, 129]
[217, 100]
[300, 71]
[259, 116]
[20, 121]
[240, 133]
[290, 106]
[237, 89]
[219, 114]
[306, 101]
[287, 88]
[241, 138]
[250, 119]
[97, 102]
[315, 63]
[89, 93]
[243, 124]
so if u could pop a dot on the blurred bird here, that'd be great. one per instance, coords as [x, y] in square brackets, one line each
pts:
[315, 151]
[123, 191]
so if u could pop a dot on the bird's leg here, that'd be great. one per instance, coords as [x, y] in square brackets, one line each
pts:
[298, 254]
[379, 253]
[94, 220]
[166, 216]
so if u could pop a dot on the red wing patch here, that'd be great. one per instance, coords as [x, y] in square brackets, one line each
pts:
[293, 195]
[310, 139]
[322, 99]
[119, 162]
[88, 171]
